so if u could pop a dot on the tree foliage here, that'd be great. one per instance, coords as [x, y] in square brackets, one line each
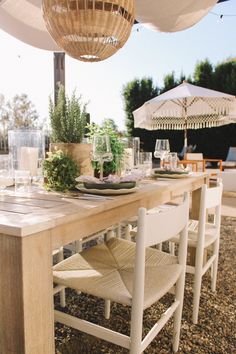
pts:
[225, 77]
[203, 74]
[21, 112]
[135, 93]
[213, 142]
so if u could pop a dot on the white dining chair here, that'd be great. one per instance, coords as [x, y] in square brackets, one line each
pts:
[132, 274]
[204, 236]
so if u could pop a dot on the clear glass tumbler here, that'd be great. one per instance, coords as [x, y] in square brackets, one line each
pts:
[145, 162]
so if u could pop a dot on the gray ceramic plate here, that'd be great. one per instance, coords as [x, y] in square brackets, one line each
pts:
[101, 186]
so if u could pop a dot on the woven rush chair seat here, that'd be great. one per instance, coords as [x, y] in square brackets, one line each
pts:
[210, 235]
[106, 271]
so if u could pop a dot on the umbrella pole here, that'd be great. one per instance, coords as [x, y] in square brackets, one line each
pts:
[185, 138]
[185, 124]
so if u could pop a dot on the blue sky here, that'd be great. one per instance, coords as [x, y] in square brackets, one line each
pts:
[25, 69]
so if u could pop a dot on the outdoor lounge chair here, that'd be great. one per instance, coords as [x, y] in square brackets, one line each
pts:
[229, 180]
[132, 274]
[230, 161]
[204, 164]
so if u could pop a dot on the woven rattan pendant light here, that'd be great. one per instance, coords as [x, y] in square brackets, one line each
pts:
[89, 30]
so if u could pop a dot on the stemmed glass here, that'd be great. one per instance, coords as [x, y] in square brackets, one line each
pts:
[101, 151]
[162, 149]
[6, 172]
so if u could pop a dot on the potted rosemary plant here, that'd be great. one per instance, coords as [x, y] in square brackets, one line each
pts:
[68, 118]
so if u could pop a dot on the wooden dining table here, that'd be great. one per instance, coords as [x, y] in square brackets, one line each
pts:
[33, 225]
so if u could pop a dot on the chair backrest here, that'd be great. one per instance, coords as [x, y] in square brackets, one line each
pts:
[229, 180]
[196, 156]
[156, 227]
[231, 156]
[210, 199]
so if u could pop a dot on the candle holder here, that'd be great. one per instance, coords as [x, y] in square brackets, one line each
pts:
[28, 151]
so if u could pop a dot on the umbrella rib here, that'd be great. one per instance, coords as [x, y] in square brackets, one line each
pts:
[178, 102]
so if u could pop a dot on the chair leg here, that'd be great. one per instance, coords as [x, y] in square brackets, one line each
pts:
[128, 228]
[107, 309]
[118, 231]
[215, 265]
[172, 248]
[179, 294]
[60, 257]
[197, 286]
[78, 246]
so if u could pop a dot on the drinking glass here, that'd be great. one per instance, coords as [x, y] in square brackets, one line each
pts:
[162, 148]
[173, 160]
[22, 181]
[6, 172]
[131, 153]
[101, 151]
[145, 163]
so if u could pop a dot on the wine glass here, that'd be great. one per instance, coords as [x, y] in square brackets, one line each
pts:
[101, 151]
[162, 148]
[6, 172]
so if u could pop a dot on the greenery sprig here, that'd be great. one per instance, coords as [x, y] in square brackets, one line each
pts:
[68, 118]
[60, 171]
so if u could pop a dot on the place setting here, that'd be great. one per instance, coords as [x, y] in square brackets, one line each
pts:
[170, 166]
[122, 182]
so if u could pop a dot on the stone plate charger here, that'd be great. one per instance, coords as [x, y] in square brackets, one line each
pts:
[170, 174]
[107, 188]
[121, 185]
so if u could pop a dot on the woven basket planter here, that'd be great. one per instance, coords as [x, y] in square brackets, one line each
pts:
[89, 30]
[80, 153]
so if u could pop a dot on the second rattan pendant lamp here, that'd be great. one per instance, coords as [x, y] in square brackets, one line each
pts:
[89, 30]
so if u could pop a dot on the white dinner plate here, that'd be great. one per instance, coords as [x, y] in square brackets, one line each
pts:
[81, 188]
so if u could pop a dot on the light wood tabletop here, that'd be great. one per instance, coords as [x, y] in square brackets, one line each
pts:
[34, 224]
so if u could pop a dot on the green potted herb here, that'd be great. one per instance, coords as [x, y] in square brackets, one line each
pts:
[60, 171]
[68, 119]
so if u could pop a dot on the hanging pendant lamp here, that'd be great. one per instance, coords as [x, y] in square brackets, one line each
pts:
[89, 30]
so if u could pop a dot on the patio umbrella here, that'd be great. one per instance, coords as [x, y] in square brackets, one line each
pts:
[186, 107]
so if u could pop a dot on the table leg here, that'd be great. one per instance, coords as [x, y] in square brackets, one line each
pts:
[26, 300]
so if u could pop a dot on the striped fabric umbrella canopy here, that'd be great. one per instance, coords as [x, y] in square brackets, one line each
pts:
[186, 107]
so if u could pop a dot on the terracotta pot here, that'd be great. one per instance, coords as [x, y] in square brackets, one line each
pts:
[78, 152]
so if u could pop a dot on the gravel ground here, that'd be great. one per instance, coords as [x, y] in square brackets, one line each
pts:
[214, 333]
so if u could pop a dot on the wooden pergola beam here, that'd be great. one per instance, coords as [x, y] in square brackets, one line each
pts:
[59, 71]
